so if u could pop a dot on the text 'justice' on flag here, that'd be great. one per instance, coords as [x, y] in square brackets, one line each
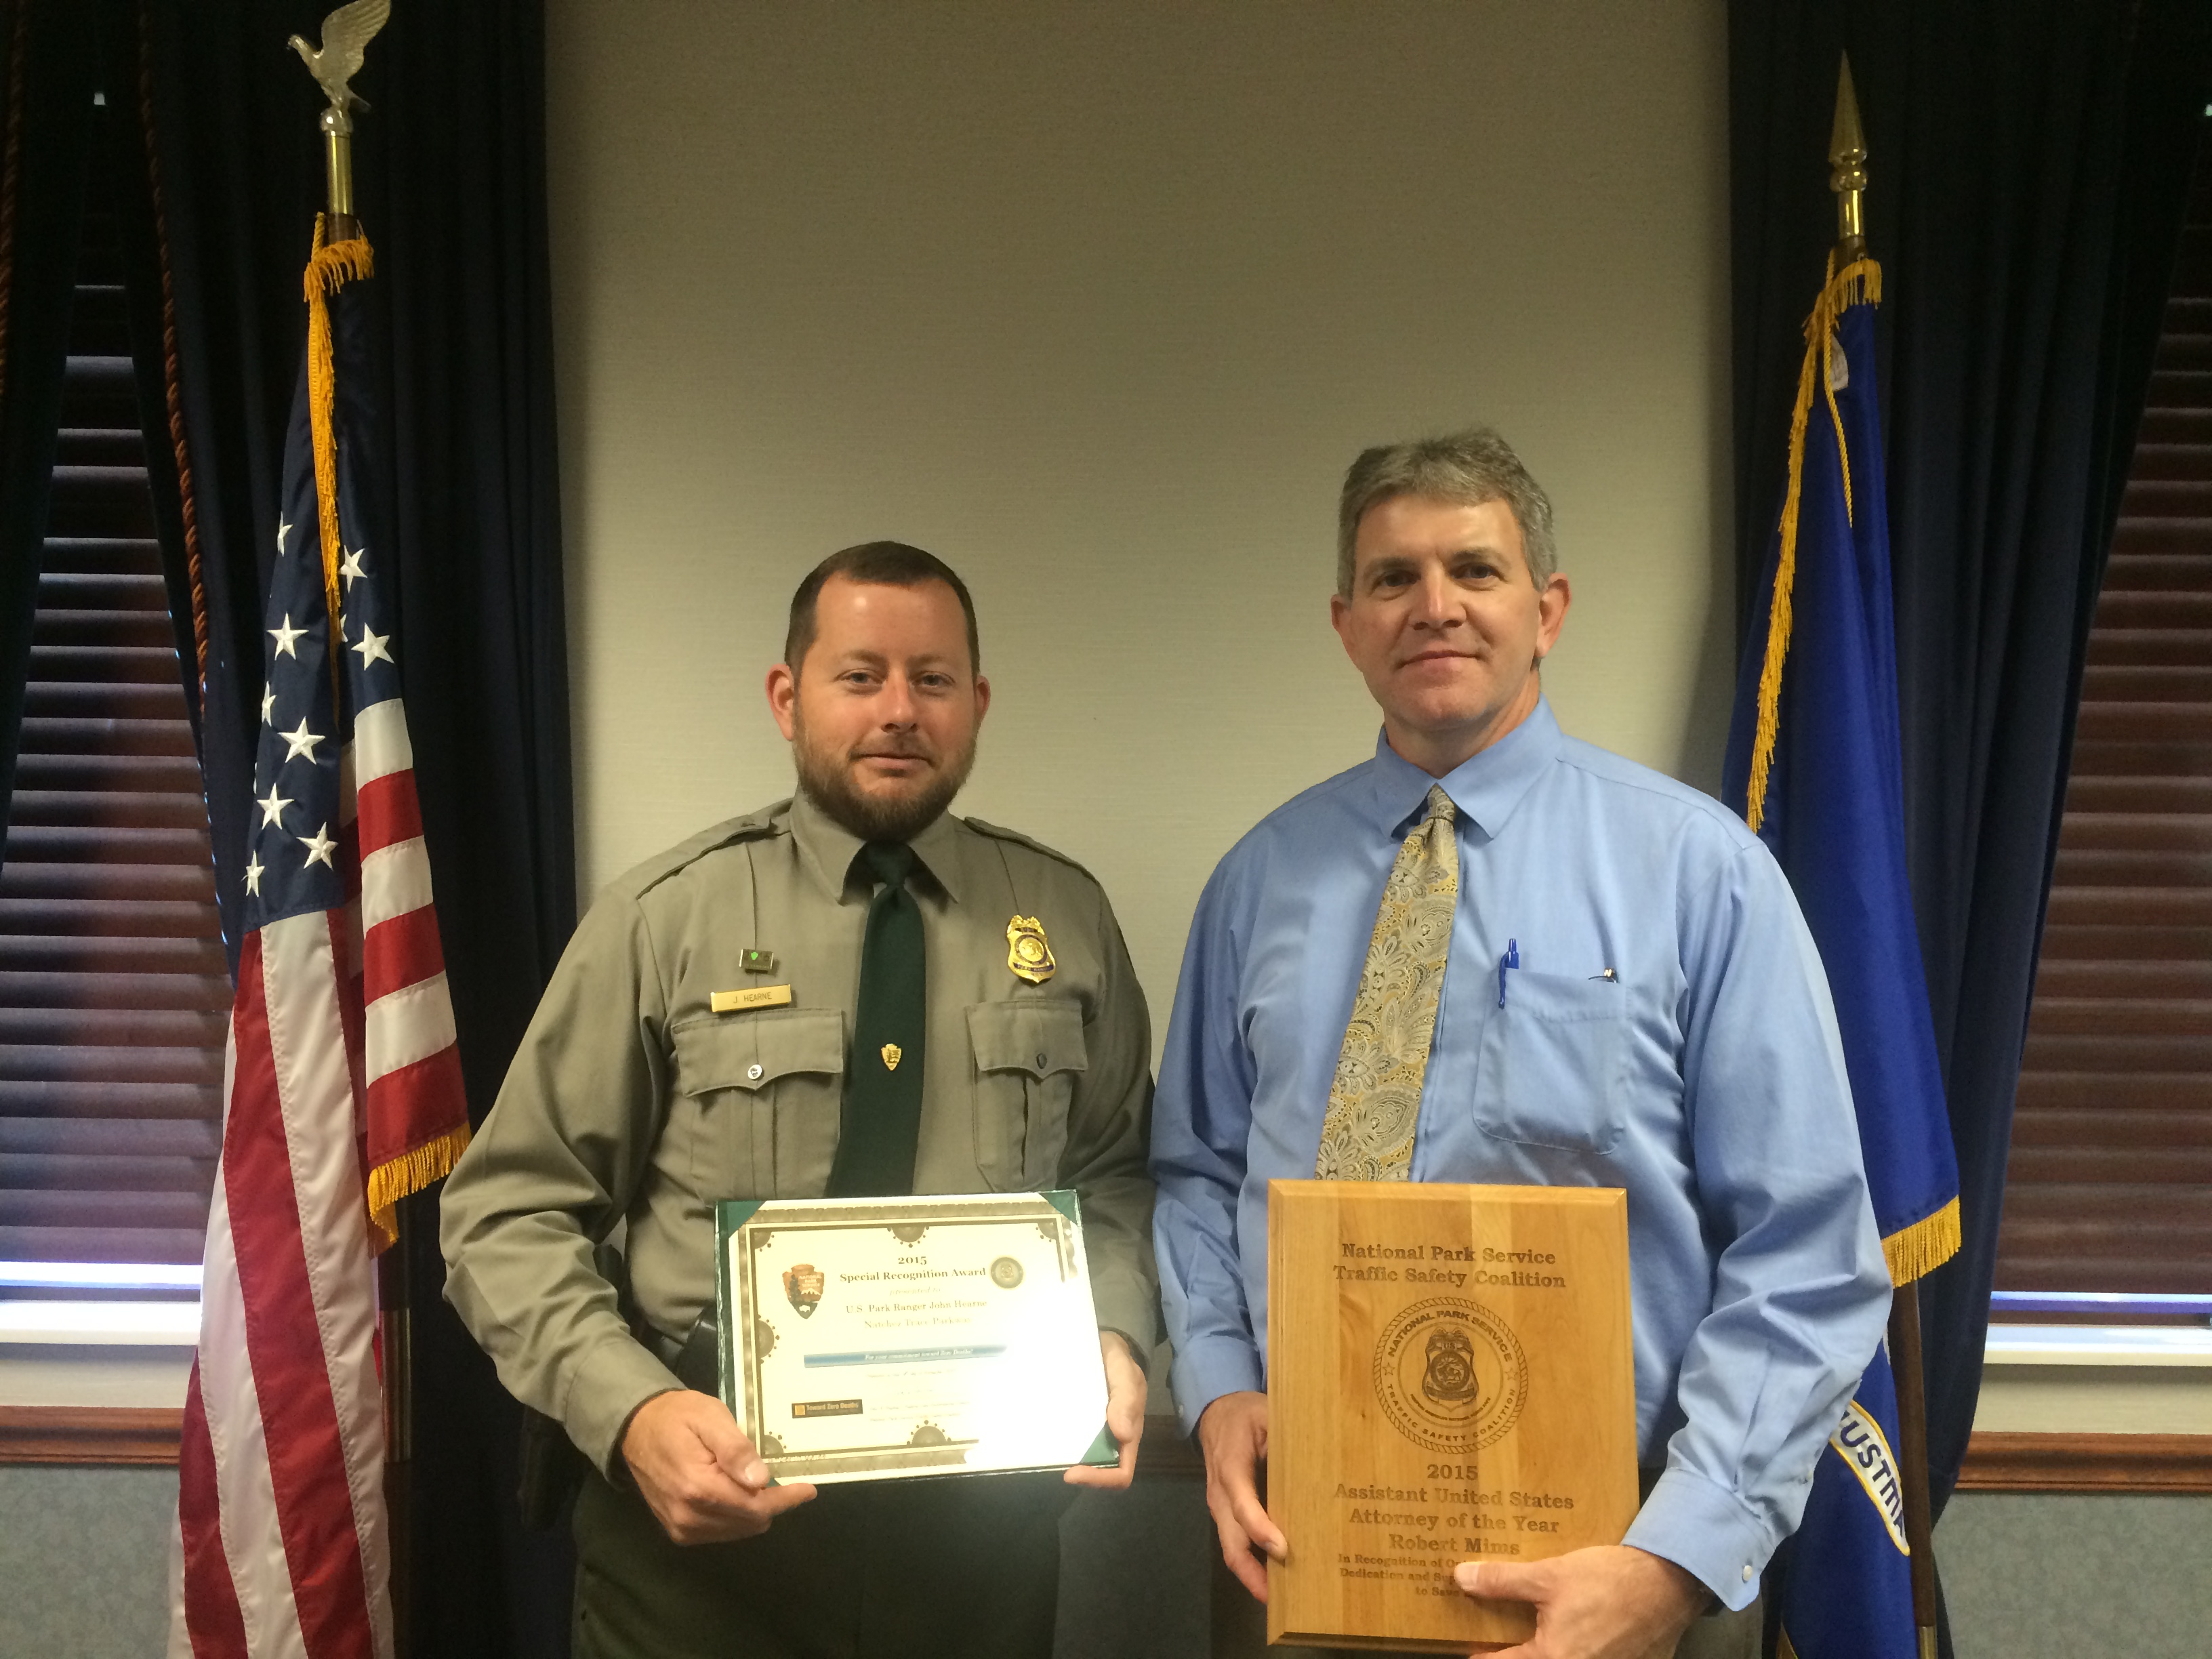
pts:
[342, 1082]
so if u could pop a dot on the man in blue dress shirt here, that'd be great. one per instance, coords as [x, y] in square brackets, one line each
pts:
[1630, 999]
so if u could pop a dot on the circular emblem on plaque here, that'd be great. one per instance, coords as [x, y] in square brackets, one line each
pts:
[1005, 1272]
[1451, 1375]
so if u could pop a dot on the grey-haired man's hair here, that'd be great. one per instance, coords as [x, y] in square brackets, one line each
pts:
[1464, 468]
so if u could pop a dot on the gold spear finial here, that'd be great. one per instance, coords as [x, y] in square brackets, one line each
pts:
[1847, 174]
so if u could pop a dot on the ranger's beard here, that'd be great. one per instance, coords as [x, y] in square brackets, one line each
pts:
[826, 778]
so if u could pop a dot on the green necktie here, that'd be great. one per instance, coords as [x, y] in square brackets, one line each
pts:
[883, 1078]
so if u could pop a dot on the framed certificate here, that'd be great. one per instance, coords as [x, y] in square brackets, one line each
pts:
[875, 1338]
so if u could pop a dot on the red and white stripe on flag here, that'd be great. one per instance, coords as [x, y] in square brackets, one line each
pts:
[418, 1117]
[342, 1045]
[280, 1505]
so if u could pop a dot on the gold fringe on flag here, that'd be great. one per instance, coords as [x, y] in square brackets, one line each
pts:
[331, 266]
[411, 1172]
[1925, 1246]
[329, 269]
[1858, 283]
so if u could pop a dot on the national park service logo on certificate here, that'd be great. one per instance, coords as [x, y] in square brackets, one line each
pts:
[803, 1283]
[1451, 1375]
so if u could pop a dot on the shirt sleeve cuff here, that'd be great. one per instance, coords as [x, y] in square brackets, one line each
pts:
[1208, 1369]
[1708, 1532]
[610, 1383]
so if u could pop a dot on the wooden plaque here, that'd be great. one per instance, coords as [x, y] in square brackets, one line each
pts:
[1449, 1378]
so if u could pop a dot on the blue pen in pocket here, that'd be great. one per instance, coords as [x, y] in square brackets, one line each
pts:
[1510, 959]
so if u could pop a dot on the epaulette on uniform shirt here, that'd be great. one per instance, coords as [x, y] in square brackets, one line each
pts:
[643, 878]
[998, 833]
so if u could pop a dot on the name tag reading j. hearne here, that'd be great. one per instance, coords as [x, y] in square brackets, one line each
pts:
[873, 1338]
[1449, 1378]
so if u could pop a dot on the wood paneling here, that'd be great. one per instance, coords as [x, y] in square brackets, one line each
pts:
[90, 1434]
[2087, 1463]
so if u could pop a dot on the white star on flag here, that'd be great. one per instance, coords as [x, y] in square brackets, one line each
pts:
[285, 636]
[272, 809]
[268, 703]
[373, 648]
[301, 741]
[352, 566]
[319, 846]
[253, 875]
[283, 529]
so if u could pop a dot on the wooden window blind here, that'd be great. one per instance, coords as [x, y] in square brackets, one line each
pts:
[114, 996]
[2109, 1187]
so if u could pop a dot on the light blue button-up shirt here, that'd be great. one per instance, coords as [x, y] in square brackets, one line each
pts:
[1667, 1031]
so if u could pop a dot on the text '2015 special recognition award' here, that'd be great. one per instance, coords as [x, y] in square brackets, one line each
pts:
[1449, 1378]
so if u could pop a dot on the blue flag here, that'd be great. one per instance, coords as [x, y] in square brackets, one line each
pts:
[1815, 766]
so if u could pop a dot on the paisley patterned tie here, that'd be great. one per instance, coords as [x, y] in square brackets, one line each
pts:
[1367, 1134]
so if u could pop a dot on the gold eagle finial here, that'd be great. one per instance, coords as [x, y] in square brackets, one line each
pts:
[346, 34]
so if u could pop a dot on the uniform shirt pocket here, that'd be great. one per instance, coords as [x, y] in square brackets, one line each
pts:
[1553, 1063]
[1028, 1054]
[759, 1095]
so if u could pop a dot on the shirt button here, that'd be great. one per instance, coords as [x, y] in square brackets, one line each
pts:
[1748, 1574]
[753, 1072]
[1040, 1063]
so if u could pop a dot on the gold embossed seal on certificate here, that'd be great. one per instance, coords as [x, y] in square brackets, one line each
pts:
[1449, 1378]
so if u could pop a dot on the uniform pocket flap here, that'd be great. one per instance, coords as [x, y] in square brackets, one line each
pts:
[1037, 1034]
[750, 1051]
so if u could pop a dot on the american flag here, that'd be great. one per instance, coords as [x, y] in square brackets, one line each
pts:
[341, 1085]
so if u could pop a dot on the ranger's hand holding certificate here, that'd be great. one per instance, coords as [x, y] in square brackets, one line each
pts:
[867, 1338]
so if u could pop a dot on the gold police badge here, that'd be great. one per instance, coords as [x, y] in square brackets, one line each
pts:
[1027, 953]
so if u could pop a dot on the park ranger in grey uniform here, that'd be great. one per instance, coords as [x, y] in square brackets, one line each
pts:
[709, 1034]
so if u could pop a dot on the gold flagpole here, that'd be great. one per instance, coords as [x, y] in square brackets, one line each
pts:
[1847, 177]
[346, 33]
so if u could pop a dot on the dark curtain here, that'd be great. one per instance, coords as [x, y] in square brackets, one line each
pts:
[449, 178]
[48, 76]
[2030, 162]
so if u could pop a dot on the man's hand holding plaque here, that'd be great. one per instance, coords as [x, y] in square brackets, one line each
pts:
[1232, 1435]
[1607, 1602]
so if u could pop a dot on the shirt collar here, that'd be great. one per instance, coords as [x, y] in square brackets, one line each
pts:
[1485, 788]
[827, 848]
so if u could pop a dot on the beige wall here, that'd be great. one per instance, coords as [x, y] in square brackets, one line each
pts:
[1097, 302]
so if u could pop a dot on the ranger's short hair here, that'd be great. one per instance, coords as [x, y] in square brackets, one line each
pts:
[887, 564]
